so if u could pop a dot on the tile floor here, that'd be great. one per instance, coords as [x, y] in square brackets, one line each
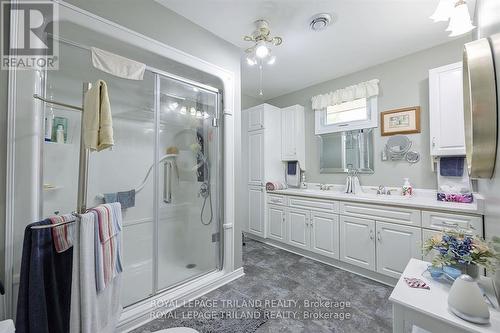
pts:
[274, 274]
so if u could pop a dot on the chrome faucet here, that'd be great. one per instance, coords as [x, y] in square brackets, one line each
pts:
[383, 190]
[324, 187]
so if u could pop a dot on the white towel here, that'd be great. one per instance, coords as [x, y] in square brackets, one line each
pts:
[97, 121]
[91, 312]
[117, 65]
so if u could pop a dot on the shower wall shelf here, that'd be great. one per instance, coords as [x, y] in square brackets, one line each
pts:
[51, 189]
[51, 143]
[83, 166]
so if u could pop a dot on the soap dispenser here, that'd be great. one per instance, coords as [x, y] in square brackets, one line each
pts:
[303, 183]
[407, 189]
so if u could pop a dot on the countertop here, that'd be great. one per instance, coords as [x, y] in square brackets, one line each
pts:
[422, 198]
[434, 302]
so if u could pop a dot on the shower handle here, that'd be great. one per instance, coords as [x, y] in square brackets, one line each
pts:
[167, 182]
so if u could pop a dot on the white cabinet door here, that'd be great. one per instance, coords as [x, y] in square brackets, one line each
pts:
[256, 158]
[256, 118]
[358, 241]
[298, 228]
[325, 234]
[256, 210]
[276, 223]
[446, 113]
[396, 245]
[289, 134]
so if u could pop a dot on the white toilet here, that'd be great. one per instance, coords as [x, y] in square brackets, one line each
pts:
[178, 330]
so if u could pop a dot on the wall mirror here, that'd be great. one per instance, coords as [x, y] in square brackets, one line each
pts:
[342, 151]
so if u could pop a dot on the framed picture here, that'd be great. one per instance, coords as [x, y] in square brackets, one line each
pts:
[400, 121]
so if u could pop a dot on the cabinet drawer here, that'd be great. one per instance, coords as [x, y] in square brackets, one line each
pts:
[328, 206]
[382, 213]
[276, 199]
[440, 221]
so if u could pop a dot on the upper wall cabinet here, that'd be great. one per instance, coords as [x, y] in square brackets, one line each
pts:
[446, 113]
[256, 118]
[293, 134]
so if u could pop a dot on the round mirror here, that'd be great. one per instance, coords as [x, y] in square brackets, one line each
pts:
[397, 146]
[480, 108]
[412, 157]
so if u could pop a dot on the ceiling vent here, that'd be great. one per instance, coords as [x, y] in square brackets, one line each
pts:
[320, 21]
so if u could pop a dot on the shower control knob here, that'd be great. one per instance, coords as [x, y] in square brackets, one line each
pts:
[204, 190]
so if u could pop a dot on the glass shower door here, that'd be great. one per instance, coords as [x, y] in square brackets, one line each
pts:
[188, 178]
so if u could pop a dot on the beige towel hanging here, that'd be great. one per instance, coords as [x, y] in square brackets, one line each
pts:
[97, 122]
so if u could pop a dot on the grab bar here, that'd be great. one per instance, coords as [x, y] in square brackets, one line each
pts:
[167, 182]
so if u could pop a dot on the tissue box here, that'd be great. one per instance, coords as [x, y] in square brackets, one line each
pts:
[455, 197]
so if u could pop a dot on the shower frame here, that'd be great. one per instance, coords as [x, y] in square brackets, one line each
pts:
[21, 98]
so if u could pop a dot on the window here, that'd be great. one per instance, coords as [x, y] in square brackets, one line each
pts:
[348, 116]
[346, 112]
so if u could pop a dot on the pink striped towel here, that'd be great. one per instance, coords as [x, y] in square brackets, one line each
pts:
[108, 243]
[275, 186]
[62, 235]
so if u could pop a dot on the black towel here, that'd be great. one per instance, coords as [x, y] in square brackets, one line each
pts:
[451, 166]
[43, 304]
[292, 168]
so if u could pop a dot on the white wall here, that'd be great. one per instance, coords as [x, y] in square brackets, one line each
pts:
[403, 83]
[249, 101]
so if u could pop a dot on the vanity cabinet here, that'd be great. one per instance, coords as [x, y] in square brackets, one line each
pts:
[446, 111]
[442, 221]
[395, 246]
[325, 233]
[262, 148]
[256, 210]
[298, 227]
[376, 237]
[256, 158]
[384, 247]
[293, 134]
[276, 223]
[357, 246]
[314, 231]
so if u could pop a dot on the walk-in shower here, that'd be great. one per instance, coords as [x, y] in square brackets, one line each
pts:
[168, 133]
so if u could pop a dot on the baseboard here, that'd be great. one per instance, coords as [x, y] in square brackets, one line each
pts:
[389, 281]
[141, 313]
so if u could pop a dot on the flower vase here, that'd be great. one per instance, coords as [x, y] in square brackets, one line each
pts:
[470, 269]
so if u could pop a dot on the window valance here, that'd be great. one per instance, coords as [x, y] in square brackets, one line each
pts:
[362, 90]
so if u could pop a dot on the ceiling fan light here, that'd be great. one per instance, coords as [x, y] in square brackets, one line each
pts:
[261, 51]
[443, 11]
[272, 60]
[192, 111]
[251, 61]
[183, 110]
[460, 21]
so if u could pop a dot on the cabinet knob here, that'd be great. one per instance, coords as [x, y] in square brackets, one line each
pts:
[379, 237]
[371, 234]
[433, 142]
